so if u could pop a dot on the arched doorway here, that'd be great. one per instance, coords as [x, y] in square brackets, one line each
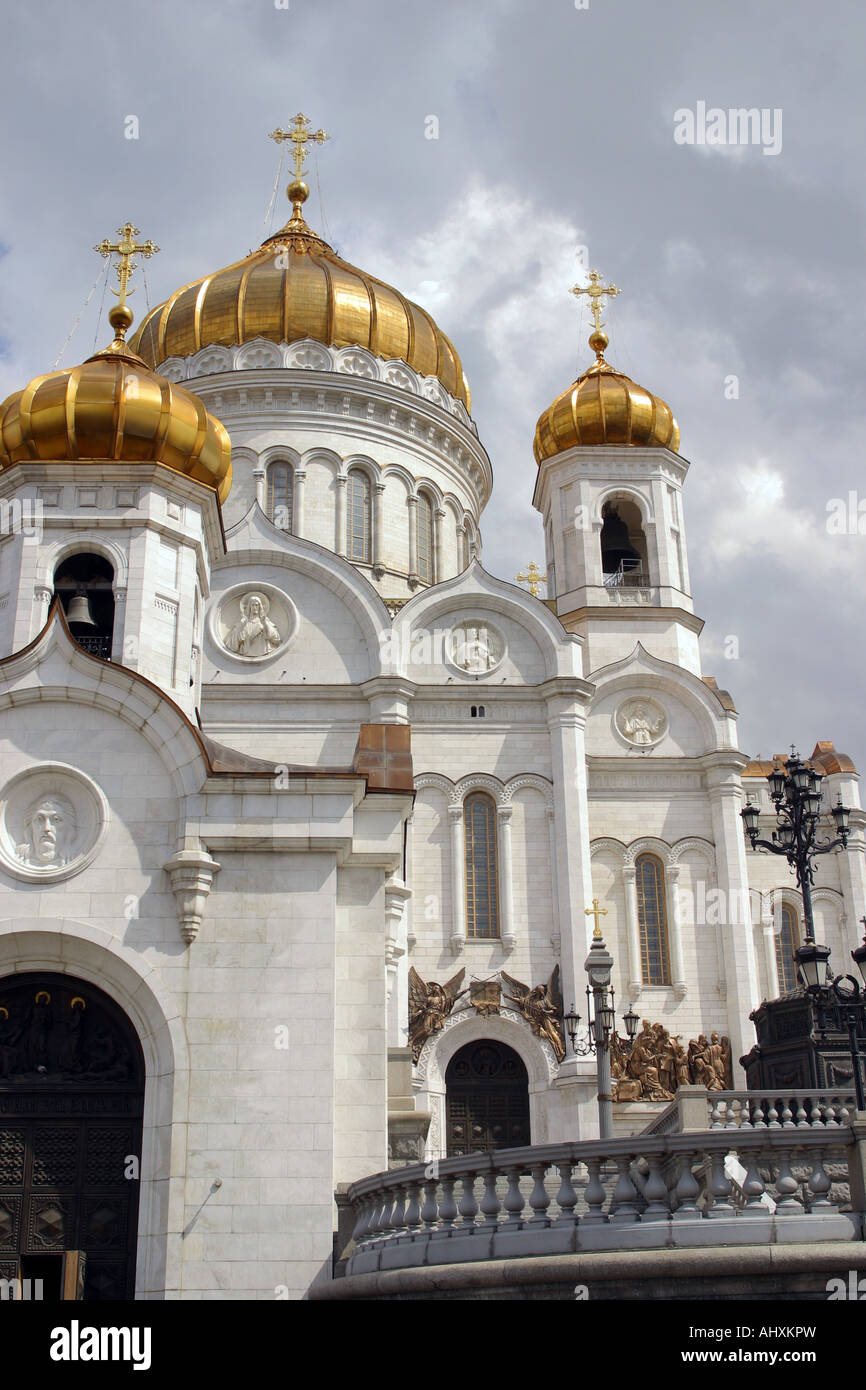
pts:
[487, 1099]
[71, 1092]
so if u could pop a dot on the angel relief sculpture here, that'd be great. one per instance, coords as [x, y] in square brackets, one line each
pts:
[429, 1006]
[542, 1009]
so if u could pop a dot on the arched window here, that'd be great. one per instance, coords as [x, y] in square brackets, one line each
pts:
[358, 517]
[280, 490]
[425, 538]
[623, 545]
[482, 869]
[787, 941]
[652, 920]
[84, 585]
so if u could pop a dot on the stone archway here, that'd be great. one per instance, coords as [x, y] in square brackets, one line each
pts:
[71, 1105]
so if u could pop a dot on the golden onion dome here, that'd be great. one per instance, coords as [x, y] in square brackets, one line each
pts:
[605, 407]
[295, 286]
[114, 407]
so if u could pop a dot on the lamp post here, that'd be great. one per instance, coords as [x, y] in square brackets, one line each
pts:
[601, 1019]
[795, 791]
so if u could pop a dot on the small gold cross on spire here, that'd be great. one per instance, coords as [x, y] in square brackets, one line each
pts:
[300, 134]
[125, 249]
[595, 292]
[596, 912]
[532, 578]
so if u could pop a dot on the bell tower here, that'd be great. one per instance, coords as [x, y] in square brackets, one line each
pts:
[609, 489]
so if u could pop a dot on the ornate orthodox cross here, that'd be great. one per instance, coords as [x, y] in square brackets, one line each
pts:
[125, 249]
[596, 912]
[301, 136]
[595, 292]
[532, 578]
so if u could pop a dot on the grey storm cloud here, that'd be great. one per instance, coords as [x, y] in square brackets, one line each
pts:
[555, 130]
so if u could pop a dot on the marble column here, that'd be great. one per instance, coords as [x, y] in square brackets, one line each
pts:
[506, 879]
[458, 874]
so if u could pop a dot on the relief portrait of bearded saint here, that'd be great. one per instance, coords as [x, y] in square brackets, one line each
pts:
[255, 634]
[429, 1006]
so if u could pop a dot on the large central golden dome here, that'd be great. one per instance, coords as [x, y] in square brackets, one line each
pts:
[293, 287]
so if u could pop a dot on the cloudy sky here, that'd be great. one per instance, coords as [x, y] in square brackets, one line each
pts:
[556, 130]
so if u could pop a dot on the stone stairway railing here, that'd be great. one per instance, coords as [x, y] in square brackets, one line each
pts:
[694, 1108]
[646, 1192]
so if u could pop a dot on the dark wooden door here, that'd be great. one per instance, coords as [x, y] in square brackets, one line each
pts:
[71, 1089]
[487, 1100]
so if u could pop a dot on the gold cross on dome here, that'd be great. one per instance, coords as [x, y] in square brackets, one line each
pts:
[532, 578]
[595, 292]
[125, 249]
[300, 134]
[596, 912]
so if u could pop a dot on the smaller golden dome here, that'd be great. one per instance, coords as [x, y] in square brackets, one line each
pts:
[114, 407]
[605, 407]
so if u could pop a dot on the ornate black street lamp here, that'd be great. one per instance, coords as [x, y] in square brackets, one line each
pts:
[601, 1021]
[795, 791]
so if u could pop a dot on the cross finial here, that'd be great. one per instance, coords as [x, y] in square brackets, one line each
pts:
[532, 578]
[125, 249]
[301, 136]
[596, 912]
[595, 292]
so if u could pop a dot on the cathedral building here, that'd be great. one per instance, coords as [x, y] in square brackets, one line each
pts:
[306, 819]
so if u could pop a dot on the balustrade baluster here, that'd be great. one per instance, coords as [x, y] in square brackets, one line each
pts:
[566, 1197]
[753, 1184]
[430, 1209]
[820, 1184]
[656, 1193]
[413, 1210]
[759, 1118]
[514, 1200]
[720, 1186]
[447, 1206]
[772, 1115]
[802, 1117]
[734, 1112]
[624, 1211]
[717, 1116]
[468, 1204]
[539, 1198]
[362, 1223]
[787, 1187]
[787, 1116]
[687, 1190]
[398, 1215]
[490, 1202]
[830, 1120]
[594, 1195]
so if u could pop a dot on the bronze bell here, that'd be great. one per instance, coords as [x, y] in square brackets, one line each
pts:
[78, 611]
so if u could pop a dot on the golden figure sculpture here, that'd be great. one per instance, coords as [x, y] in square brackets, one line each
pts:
[542, 1009]
[429, 1006]
[658, 1064]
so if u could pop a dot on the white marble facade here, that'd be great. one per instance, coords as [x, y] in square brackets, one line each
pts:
[186, 826]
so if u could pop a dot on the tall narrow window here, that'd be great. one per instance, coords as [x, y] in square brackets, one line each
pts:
[482, 871]
[425, 538]
[786, 945]
[358, 518]
[652, 921]
[279, 494]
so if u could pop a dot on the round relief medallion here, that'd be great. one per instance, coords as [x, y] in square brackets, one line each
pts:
[475, 647]
[53, 820]
[641, 722]
[253, 621]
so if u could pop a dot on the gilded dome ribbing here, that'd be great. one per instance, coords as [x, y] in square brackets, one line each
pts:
[113, 407]
[605, 406]
[295, 286]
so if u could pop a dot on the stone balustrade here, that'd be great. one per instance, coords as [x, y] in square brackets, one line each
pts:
[648, 1192]
[694, 1108]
